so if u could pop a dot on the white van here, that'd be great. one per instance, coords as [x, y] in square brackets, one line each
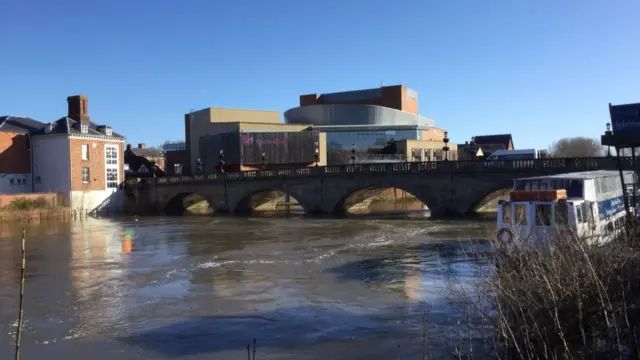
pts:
[526, 154]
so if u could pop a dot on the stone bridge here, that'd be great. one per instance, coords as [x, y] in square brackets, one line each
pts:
[446, 187]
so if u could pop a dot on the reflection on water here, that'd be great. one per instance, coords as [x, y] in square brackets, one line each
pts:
[204, 287]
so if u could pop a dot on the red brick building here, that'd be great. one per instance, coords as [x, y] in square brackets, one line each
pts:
[15, 154]
[397, 97]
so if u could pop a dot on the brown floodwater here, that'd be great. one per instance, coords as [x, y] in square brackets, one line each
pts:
[205, 287]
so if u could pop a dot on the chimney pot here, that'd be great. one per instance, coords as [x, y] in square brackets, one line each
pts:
[142, 146]
[128, 146]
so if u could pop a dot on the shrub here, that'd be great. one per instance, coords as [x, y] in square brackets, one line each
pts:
[20, 204]
[571, 301]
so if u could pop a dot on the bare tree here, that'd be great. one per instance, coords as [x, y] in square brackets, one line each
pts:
[576, 147]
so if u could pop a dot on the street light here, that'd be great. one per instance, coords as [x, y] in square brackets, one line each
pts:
[608, 133]
[317, 154]
[445, 148]
[264, 161]
[221, 161]
[353, 153]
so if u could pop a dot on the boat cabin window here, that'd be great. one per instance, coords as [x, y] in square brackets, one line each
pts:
[521, 214]
[610, 228]
[579, 218]
[562, 213]
[543, 215]
[506, 213]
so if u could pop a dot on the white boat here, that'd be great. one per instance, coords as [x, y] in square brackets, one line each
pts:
[588, 204]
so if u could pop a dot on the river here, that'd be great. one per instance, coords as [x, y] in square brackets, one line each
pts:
[205, 287]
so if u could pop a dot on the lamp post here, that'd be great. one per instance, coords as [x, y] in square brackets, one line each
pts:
[264, 161]
[608, 133]
[317, 153]
[221, 161]
[445, 148]
[353, 154]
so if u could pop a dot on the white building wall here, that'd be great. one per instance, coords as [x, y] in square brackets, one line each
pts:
[97, 200]
[15, 183]
[51, 164]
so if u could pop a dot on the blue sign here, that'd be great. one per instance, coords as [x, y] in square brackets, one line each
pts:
[625, 119]
[608, 208]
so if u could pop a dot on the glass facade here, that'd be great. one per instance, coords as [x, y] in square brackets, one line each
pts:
[367, 142]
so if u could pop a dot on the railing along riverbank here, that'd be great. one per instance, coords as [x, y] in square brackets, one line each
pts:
[533, 167]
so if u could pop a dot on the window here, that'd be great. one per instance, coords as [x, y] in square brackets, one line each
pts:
[50, 127]
[85, 175]
[112, 167]
[111, 155]
[84, 128]
[112, 178]
[38, 180]
[579, 217]
[506, 213]
[543, 215]
[85, 151]
[521, 214]
[562, 213]
[610, 228]
[108, 131]
[12, 182]
[177, 169]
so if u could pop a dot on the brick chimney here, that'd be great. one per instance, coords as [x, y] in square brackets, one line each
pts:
[78, 108]
[128, 146]
[142, 146]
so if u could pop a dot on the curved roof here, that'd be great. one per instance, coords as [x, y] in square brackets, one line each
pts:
[352, 114]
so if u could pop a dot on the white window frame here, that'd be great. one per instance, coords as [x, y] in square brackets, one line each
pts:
[110, 166]
[84, 128]
[85, 152]
[88, 175]
[108, 131]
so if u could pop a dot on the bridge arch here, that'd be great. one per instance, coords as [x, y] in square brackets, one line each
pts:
[475, 196]
[360, 195]
[489, 203]
[268, 198]
[188, 203]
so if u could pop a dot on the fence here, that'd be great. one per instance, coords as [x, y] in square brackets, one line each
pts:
[534, 167]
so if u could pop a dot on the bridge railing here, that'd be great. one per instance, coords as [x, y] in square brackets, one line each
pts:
[538, 166]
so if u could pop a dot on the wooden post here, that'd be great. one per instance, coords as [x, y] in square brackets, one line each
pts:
[21, 313]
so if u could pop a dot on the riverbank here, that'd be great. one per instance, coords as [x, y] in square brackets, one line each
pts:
[35, 215]
[575, 301]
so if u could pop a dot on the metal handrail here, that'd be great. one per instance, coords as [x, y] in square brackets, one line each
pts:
[537, 166]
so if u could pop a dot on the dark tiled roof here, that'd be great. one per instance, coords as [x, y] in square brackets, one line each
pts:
[19, 124]
[147, 152]
[66, 125]
[135, 162]
[494, 139]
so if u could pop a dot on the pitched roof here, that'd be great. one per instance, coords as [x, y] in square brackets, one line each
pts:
[67, 125]
[136, 161]
[494, 139]
[19, 124]
[147, 152]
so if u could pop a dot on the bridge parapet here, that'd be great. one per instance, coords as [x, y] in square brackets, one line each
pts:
[534, 167]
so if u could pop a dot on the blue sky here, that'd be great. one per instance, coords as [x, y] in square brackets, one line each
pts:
[542, 70]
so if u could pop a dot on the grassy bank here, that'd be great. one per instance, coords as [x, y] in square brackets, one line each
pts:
[25, 204]
[27, 210]
[573, 302]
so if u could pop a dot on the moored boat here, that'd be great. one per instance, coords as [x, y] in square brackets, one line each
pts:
[587, 204]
